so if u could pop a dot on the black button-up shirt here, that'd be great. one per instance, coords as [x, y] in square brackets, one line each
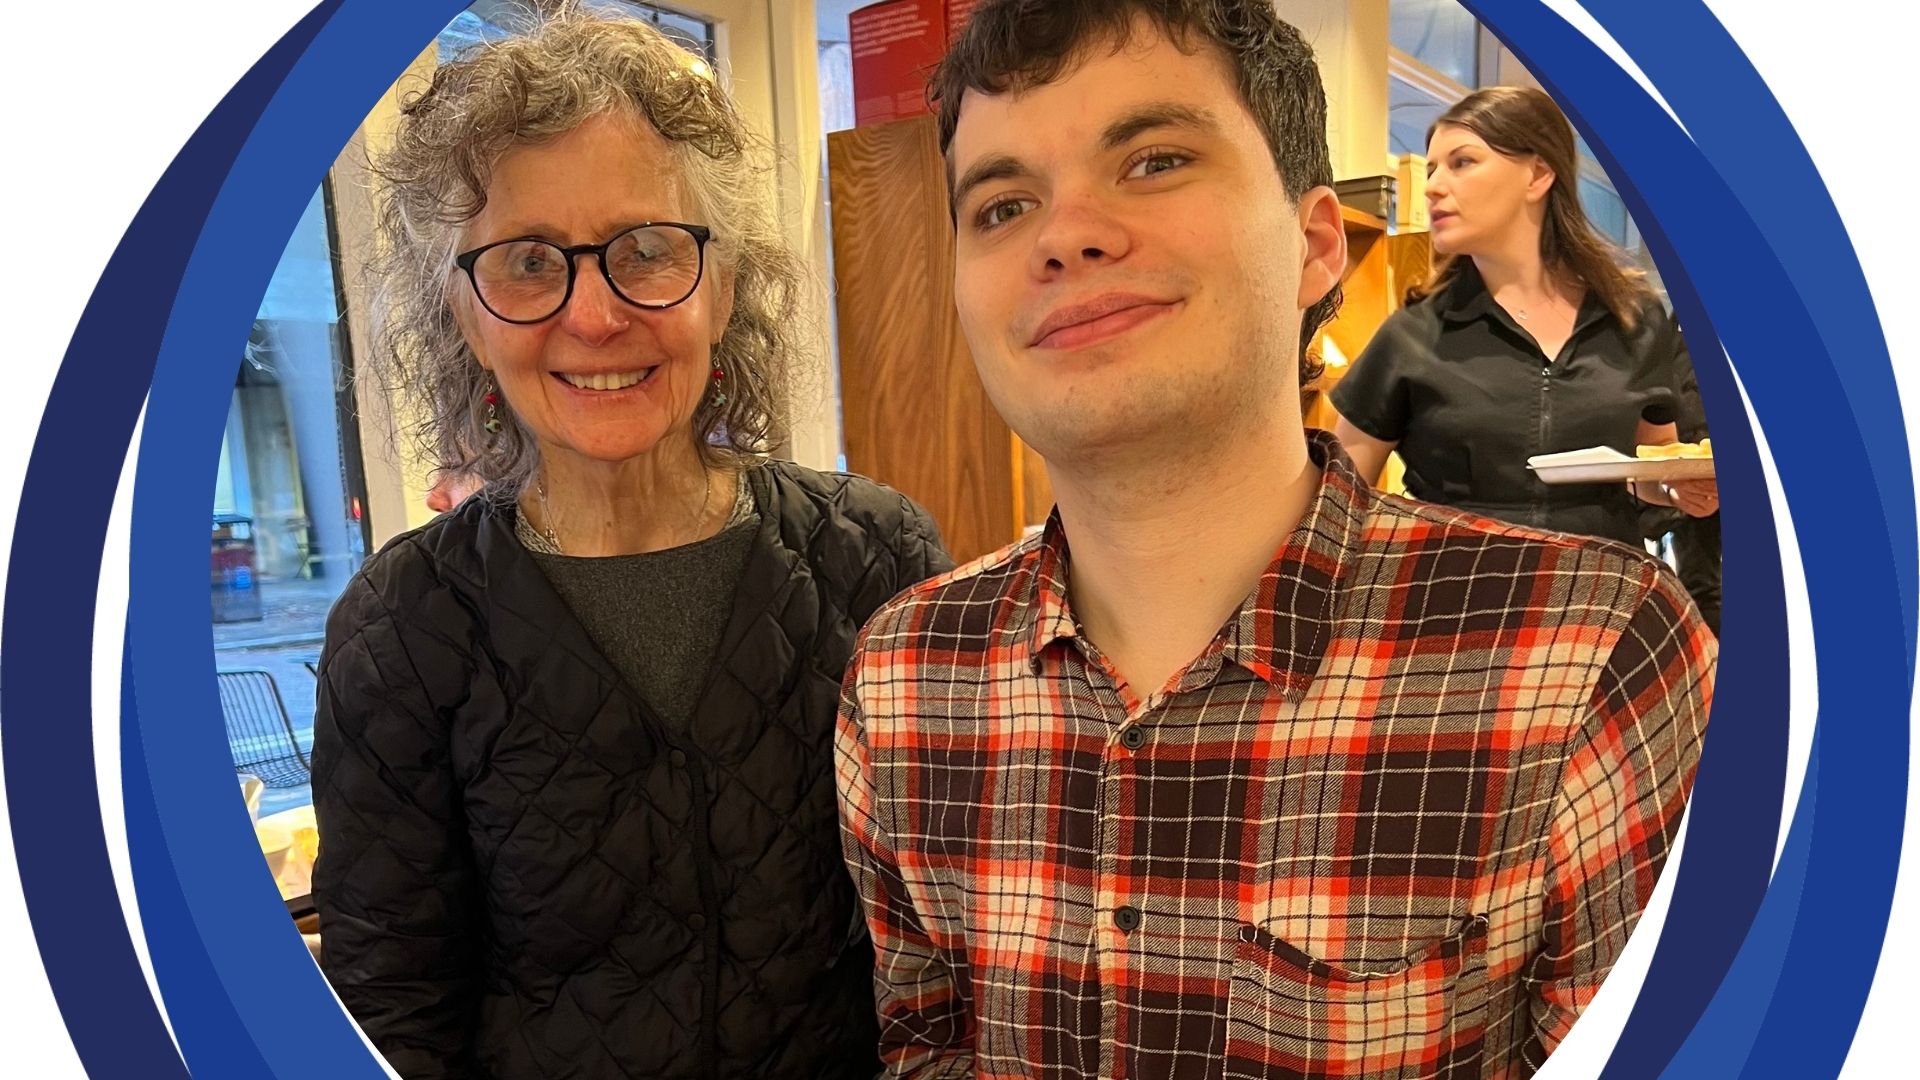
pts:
[1469, 395]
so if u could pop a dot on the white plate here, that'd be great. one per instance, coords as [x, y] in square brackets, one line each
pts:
[1602, 465]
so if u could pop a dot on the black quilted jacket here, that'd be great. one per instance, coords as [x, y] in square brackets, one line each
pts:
[522, 876]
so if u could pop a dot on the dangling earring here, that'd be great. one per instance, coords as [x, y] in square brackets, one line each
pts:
[719, 395]
[493, 409]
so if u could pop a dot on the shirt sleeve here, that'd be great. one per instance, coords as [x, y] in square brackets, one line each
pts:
[925, 1032]
[1692, 418]
[1622, 793]
[394, 881]
[1374, 395]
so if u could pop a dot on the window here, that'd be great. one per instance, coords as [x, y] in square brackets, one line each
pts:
[1440, 34]
[836, 85]
[1605, 209]
[491, 20]
[289, 502]
[1411, 110]
[835, 72]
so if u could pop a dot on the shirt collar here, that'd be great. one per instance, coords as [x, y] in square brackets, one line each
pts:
[1047, 603]
[1467, 298]
[1281, 630]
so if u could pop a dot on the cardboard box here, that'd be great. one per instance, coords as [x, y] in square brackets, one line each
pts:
[1411, 213]
[1368, 194]
[896, 45]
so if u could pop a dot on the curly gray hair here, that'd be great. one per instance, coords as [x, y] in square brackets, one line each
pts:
[567, 68]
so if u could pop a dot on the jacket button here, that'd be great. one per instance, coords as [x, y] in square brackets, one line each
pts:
[696, 922]
[1134, 737]
[1127, 919]
[679, 758]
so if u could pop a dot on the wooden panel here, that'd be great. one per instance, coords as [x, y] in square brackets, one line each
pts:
[1364, 232]
[1035, 501]
[1376, 281]
[1365, 306]
[915, 414]
[1409, 262]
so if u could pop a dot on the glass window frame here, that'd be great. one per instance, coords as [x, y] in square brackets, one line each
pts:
[281, 634]
[693, 31]
[1477, 59]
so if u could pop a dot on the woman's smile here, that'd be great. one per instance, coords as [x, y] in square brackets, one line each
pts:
[604, 382]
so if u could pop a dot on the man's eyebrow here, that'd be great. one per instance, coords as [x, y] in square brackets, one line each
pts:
[1122, 131]
[1157, 115]
[991, 167]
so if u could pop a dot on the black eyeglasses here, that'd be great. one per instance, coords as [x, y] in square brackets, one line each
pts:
[652, 265]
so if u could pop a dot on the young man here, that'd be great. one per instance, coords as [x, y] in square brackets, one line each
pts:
[1239, 768]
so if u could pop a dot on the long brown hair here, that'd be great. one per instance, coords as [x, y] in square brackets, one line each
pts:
[1518, 121]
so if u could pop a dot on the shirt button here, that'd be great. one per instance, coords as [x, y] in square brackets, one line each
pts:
[1127, 919]
[696, 922]
[679, 758]
[1134, 737]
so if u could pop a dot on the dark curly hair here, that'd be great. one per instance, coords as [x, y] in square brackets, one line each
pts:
[1019, 44]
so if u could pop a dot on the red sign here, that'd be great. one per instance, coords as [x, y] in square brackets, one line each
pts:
[895, 47]
[957, 13]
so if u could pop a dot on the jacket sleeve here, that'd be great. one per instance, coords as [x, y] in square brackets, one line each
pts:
[1622, 792]
[922, 553]
[394, 881]
[925, 1032]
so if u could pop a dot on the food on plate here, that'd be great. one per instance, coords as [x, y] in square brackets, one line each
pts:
[306, 841]
[1668, 451]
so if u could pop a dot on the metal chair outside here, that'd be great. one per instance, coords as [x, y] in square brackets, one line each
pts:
[259, 732]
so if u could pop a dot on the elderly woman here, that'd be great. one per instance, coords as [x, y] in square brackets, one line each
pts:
[572, 759]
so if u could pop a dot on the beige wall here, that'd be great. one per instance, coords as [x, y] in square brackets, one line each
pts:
[1349, 39]
[770, 60]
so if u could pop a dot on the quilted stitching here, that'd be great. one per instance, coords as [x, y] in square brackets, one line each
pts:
[511, 861]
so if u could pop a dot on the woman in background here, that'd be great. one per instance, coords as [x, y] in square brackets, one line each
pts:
[573, 753]
[1531, 339]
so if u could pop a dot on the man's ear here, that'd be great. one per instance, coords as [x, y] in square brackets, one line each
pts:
[1323, 254]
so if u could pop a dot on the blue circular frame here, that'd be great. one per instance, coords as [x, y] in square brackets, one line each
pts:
[1759, 969]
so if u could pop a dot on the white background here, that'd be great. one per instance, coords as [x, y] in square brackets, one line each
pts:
[100, 106]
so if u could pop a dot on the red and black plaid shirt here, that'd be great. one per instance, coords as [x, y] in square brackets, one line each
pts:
[1396, 820]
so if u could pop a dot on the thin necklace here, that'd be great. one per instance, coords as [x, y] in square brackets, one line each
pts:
[553, 539]
[546, 518]
[1521, 313]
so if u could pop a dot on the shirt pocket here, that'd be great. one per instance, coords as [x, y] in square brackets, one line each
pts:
[1421, 1018]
